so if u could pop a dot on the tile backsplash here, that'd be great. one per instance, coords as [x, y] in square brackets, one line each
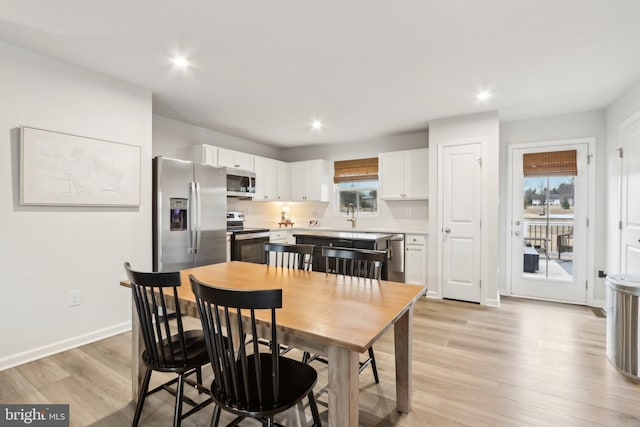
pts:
[392, 216]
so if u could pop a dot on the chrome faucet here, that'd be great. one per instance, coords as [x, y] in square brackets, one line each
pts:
[353, 215]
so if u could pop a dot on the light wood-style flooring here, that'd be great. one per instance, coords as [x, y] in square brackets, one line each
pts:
[525, 363]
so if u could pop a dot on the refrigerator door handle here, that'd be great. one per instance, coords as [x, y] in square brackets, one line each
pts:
[192, 218]
[198, 223]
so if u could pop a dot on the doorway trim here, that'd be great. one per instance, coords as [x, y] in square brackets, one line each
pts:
[591, 210]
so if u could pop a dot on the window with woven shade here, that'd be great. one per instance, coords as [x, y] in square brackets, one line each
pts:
[356, 170]
[356, 185]
[551, 163]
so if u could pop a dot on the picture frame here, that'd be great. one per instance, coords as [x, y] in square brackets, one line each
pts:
[62, 169]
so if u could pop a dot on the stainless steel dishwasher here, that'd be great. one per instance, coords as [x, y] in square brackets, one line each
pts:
[396, 258]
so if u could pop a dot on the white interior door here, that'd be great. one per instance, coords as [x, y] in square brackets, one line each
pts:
[549, 217]
[630, 203]
[461, 208]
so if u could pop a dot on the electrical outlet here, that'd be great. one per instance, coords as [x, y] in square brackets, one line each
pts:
[74, 298]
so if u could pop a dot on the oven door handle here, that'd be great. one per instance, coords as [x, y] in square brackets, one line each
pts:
[248, 236]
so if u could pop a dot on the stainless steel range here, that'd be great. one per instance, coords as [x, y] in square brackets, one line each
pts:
[247, 244]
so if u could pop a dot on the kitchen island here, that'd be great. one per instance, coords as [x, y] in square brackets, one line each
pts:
[343, 239]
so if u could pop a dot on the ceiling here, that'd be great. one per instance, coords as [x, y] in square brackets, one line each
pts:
[263, 70]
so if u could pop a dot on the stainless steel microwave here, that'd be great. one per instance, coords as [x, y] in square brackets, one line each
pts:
[241, 183]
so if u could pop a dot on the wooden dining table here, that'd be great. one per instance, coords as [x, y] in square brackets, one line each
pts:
[337, 316]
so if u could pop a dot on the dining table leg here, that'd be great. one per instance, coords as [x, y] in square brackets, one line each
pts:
[343, 387]
[403, 332]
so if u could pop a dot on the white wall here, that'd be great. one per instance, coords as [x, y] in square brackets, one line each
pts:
[624, 107]
[478, 127]
[563, 127]
[359, 149]
[47, 251]
[172, 138]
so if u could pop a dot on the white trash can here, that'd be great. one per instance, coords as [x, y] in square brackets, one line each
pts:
[623, 325]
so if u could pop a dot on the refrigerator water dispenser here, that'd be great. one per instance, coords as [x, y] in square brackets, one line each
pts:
[178, 214]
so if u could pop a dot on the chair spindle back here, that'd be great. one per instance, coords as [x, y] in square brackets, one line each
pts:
[288, 255]
[235, 372]
[354, 262]
[154, 295]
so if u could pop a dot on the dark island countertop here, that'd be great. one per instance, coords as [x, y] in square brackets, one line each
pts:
[344, 235]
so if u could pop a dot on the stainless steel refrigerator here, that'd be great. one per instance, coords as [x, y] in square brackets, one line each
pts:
[189, 214]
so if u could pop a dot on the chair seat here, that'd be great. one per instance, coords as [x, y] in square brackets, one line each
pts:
[196, 352]
[296, 380]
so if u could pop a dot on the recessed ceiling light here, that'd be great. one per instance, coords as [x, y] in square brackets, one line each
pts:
[483, 95]
[316, 124]
[180, 61]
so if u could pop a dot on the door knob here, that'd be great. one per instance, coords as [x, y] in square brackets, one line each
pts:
[447, 230]
[517, 233]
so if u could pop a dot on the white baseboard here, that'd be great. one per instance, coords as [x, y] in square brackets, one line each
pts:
[492, 302]
[600, 304]
[433, 294]
[60, 346]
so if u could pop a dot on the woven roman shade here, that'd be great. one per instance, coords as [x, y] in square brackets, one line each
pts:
[553, 163]
[356, 170]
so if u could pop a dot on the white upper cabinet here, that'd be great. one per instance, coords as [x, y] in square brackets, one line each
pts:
[215, 156]
[310, 180]
[235, 159]
[203, 153]
[272, 179]
[404, 175]
[266, 178]
[283, 190]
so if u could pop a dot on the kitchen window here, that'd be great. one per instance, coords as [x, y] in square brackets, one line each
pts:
[362, 194]
[357, 185]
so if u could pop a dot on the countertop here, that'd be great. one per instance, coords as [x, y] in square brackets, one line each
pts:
[324, 230]
[343, 234]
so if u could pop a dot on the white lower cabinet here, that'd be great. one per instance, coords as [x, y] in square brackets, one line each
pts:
[415, 259]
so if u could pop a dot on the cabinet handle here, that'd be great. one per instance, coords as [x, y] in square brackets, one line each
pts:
[236, 166]
[265, 196]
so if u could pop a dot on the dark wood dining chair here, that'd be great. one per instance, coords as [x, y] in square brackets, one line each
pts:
[168, 347]
[288, 255]
[355, 263]
[256, 385]
[283, 255]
